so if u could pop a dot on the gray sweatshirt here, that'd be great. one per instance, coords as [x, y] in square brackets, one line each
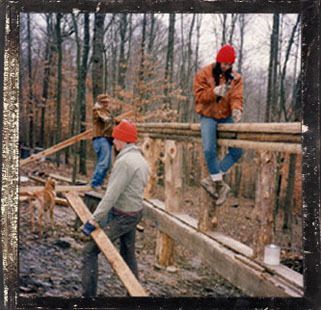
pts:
[125, 190]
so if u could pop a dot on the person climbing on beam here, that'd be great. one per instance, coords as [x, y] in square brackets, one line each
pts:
[103, 123]
[218, 92]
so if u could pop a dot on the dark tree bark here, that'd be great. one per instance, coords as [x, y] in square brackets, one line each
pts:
[30, 110]
[59, 83]
[170, 57]
[122, 65]
[271, 105]
[240, 51]
[46, 77]
[152, 33]
[283, 74]
[142, 62]
[98, 55]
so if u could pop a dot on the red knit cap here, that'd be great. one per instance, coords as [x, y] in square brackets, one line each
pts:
[125, 131]
[226, 54]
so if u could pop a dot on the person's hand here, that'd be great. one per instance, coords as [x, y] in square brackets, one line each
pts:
[237, 114]
[89, 227]
[221, 90]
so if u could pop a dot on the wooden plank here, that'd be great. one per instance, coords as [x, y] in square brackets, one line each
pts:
[61, 202]
[60, 188]
[114, 258]
[60, 146]
[220, 258]
[66, 179]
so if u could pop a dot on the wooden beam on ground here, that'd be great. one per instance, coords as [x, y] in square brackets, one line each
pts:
[66, 179]
[248, 275]
[116, 261]
[60, 146]
[60, 188]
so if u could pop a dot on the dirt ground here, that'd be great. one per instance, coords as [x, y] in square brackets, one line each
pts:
[51, 266]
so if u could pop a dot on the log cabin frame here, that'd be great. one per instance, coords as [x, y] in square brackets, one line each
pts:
[9, 106]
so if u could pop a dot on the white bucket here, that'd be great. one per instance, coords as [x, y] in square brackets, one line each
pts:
[272, 254]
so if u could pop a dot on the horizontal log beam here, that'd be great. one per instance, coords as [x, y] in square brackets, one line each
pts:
[287, 128]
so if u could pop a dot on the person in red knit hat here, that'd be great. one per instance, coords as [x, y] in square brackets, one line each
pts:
[218, 92]
[120, 210]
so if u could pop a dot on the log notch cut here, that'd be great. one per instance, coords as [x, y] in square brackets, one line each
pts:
[173, 198]
[264, 201]
[116, 261]
[152, 150]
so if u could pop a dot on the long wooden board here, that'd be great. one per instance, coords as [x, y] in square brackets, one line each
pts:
[82, 136]
[116, 261]
[58, 147]
[60, 188]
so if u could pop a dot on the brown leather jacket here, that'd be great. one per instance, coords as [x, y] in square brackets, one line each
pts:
[205, 99]
[103, 121]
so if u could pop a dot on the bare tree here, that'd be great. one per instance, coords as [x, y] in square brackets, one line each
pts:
[59, 82]
[98, 55]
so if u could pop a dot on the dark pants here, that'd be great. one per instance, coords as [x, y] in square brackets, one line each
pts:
[117, 226]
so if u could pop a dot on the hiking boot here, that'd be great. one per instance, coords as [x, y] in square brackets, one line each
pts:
[222, 193]
[210, 186]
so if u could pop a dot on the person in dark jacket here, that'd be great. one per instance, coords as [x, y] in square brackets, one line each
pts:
[218, 92]
[103, 123]
[121, 208]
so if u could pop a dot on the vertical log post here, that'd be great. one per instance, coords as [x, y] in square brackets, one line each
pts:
[207, 215]
[173, 198]
[151, 150]
[264, 202]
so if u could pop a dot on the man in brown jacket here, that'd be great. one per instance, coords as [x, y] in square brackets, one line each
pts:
[103, 123]
[218, 95]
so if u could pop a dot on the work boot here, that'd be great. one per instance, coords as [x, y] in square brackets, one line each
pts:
[223, 192]
[210, 186]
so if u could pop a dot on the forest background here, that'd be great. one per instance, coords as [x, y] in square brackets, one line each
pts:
[147, 63]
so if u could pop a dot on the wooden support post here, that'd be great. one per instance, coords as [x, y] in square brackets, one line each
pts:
[207, 217]
[264, 201]
[151, 149]
[116, 261]
[173, 198]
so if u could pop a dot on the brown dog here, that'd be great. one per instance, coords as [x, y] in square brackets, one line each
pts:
[44, 202]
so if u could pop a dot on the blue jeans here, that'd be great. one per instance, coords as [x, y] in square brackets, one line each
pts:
[209, 140]
[103, 149]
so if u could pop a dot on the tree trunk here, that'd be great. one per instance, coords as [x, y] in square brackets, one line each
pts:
[272, 76]
[242, 29]
[283, 74]
[169, 58]
[82, 88]
[47, 71]
[141, 77]
[59, 83]
[31, 107]
[122, 66]
[98, 55]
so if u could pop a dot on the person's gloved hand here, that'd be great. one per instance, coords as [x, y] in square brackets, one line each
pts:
[237, 114]
[221, 90]
[89, 227]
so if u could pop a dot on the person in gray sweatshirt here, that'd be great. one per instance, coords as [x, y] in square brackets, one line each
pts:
[120, 210]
